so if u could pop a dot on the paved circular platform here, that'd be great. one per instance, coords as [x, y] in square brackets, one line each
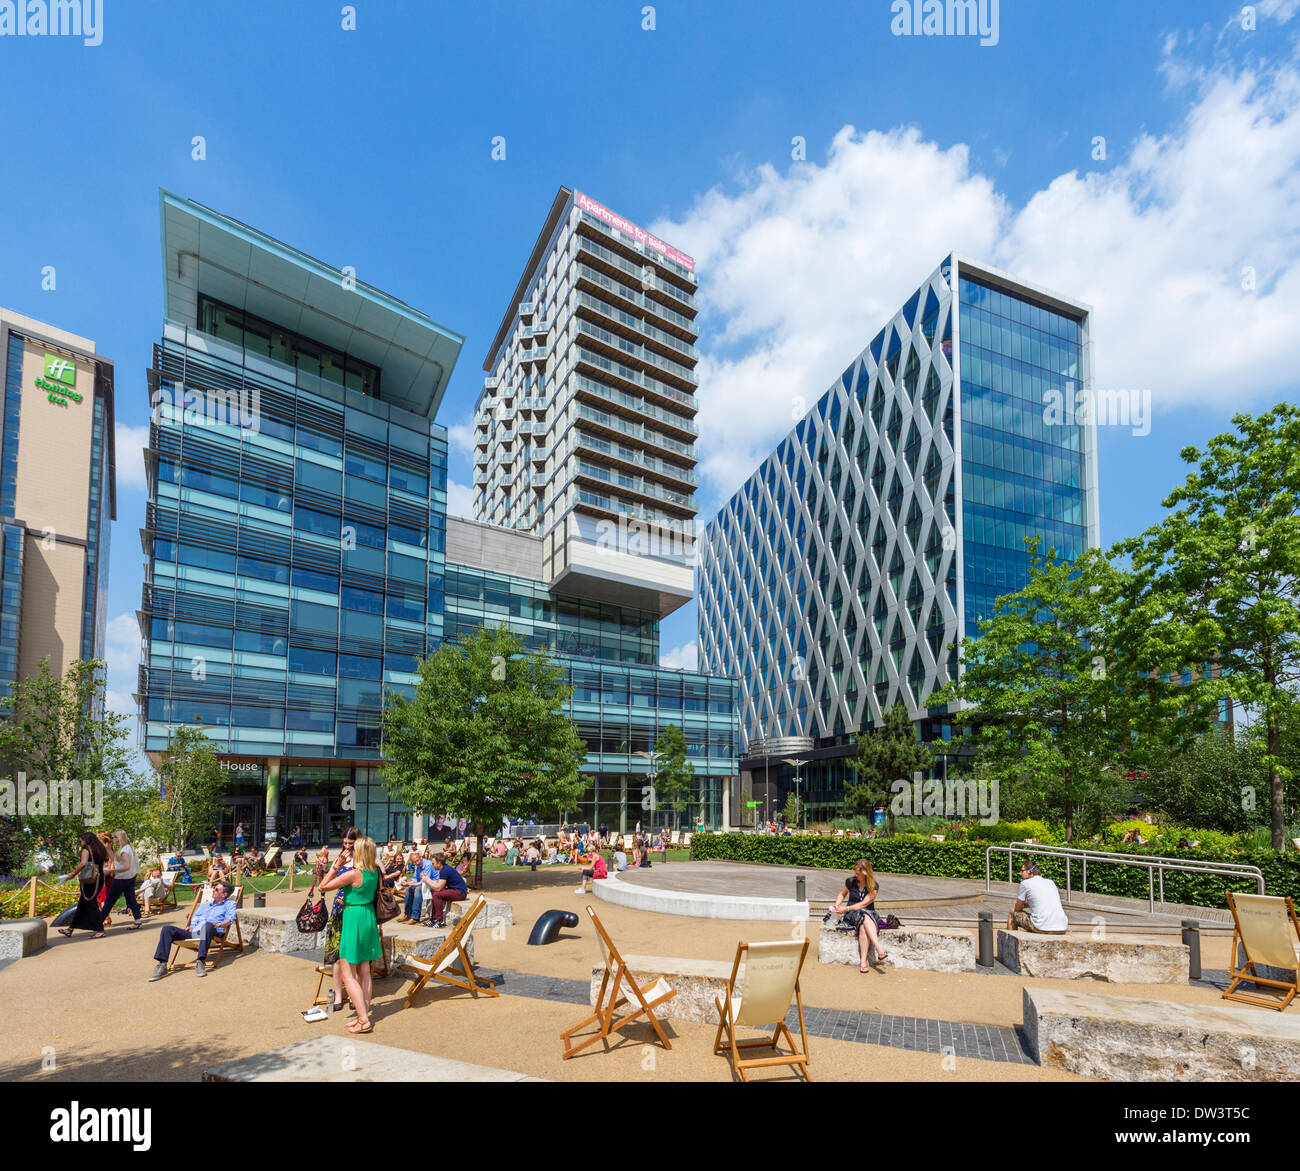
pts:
[742, 890]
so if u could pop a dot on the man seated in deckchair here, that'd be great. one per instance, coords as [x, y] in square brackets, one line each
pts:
[207, 922]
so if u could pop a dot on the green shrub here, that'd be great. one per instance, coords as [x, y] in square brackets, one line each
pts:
[1017, 831]
[965, 859]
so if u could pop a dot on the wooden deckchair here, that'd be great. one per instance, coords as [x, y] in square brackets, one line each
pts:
[628, 841]
[610, 998]
[1268, 930]
[168, 896]
[452, 949]
[771, 980]
[231, 939]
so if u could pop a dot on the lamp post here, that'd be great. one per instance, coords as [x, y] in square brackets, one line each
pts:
[652, 757]
[798, 780]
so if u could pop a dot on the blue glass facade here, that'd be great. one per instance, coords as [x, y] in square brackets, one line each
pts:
[297, 542]
[1024, 473]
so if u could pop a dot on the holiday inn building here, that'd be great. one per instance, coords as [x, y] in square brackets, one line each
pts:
[57, 498]
[301, 561]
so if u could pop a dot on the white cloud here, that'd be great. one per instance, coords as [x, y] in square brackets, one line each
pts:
[682, 658]
[460, 500]
[799, 270]
[128, 446]
[460, 436]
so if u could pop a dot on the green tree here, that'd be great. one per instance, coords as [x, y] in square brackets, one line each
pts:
[791, 812]
[886, 754]
[1216, 584]
[484, 734]
[1202, 784]
[674, 774]
[53, 730]
[190, 784]
[1048, 709]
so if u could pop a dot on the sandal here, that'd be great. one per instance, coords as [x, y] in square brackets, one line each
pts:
[66, 931]
[99, 935]
[356, 1026]
[135, 926]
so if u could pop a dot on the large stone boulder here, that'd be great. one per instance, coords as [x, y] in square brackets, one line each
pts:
[1131, 1040]
[930, 949]
[1116, 959]
[696, 982]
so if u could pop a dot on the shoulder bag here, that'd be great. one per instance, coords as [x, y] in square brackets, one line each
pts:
[313, 916]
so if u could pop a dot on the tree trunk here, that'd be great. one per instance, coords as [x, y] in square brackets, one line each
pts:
[1276, 790]
[1069, 820]
[478, 855]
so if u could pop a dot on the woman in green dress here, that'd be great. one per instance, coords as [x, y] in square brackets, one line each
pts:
[359, 936]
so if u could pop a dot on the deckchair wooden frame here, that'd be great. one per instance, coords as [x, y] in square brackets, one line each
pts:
[231, 939]
[616, 973]
[168, 897]
[734, 1048]
[453, 947]
[1247, 974]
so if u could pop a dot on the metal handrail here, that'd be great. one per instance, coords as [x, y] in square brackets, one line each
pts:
[1159, 863]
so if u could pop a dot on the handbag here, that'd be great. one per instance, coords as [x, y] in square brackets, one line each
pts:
[386, 907]
[89, 871]
[313, 916]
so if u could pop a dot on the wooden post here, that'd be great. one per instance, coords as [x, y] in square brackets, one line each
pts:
[293, 867]
[31, 900]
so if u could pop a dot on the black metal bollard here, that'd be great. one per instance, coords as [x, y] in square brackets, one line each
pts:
[800, 889]
[985, 957]
[259, 899]
[1192, 938]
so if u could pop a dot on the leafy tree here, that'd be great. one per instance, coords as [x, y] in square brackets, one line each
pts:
[190, 784]
[1048, 710]
[1216, 584]
[791, 810]
[1202, 785]
[674, 774]
[54, 731]
[887, 754]
[484, 733]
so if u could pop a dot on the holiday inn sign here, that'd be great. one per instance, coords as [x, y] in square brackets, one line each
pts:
[59, 381]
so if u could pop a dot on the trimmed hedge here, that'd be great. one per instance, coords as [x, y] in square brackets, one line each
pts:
[913, 855]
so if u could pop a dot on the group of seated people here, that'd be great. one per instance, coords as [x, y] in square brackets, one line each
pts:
[429, 875]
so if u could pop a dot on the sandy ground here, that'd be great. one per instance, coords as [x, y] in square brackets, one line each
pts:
[84, 1008]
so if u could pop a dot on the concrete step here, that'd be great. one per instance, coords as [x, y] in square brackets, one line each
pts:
[929, 949]
[21, 937]
[1117, 959]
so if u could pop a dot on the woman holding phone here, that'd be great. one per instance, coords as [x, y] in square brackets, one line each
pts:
[359, 943]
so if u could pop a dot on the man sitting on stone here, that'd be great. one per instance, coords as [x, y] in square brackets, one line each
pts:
[209, 920]
[1038, 904]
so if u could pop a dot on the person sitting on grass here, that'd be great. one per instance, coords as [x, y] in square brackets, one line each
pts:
[595, 868]
[1038, 904]
[552, 855]
[500, 849]
[533, 856]
[447, 887]
[513, 854]
[854, 906]
[209, 920]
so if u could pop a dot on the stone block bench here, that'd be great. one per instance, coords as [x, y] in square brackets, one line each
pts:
[276, 929]
[21, 937]
[1127, 1039]
[414, 939]
[697, 982]
[330, 1058]
[929, 949]
[1116, 959]
[497, 913]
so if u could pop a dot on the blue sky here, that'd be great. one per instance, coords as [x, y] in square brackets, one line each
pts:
[372, 148]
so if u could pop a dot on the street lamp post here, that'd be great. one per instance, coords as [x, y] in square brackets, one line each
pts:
[798, 780]
[653, 758]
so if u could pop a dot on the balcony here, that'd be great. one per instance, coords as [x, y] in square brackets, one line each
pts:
[492, 383]
[636, 484]
[634, 378]
[526, 308]
[630, 402]
[586, 219]
[643, 434]
[605, 258]
[598, 280]
[481, 477]
[615, 314]
[539, 480]
[536, 354]
[636, 458]
[620, 346]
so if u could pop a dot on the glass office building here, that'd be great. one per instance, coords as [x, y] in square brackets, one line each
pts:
[842, 576]
[297, 540]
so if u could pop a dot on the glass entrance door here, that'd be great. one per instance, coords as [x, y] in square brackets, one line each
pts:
[309, 813]
[233, 812]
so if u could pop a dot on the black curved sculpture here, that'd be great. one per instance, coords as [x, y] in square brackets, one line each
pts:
[548, 925]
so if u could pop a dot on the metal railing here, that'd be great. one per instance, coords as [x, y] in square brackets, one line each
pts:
[1154, 866]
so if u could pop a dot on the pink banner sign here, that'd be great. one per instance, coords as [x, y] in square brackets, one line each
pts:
[628, 228]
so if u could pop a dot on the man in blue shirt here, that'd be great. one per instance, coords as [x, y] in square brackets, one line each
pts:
[424, 870]
[209, 919]
[448, 887]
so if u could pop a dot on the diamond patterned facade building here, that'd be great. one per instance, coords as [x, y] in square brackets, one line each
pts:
[842, 576]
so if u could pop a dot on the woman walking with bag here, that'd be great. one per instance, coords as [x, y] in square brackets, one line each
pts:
[90, 876]
[854, 903]
[126, 869]
[359, 943]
